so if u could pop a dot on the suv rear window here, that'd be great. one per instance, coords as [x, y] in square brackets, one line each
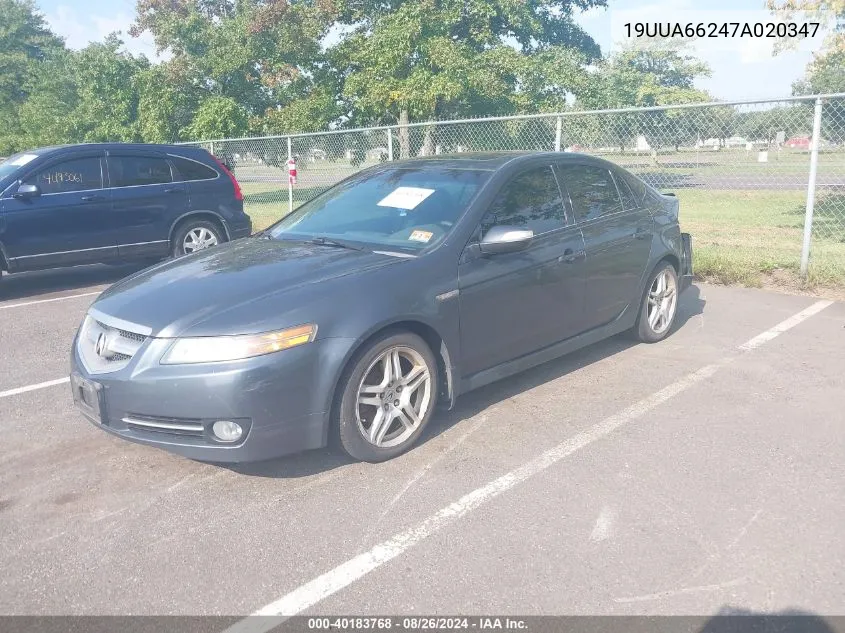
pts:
[187, 169]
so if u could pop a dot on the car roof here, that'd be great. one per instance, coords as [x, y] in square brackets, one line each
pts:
[162, 147]
[491, 161]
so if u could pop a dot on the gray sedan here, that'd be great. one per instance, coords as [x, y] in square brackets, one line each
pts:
[393, 292]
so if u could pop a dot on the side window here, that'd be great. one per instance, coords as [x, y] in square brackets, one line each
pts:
[77, 174]
[591, 189]
[130, 171]
[637, 186]
[531, 200]
[187, 170]
[629, 201]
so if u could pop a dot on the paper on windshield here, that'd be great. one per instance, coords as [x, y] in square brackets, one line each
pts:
[23, 159]
[407, 198]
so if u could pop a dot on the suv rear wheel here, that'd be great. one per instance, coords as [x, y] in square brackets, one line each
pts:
[196, 235]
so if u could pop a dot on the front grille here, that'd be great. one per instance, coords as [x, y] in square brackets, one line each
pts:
[171, 426]
[117, 345]
[132, 336]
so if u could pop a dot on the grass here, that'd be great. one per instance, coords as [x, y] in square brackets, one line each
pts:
[739, 237]
[746, 237]
[267, 202]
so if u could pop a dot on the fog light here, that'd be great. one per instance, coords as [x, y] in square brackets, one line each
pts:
[226, 431]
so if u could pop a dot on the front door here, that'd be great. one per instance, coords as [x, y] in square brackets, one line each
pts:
[68, 223]
[512, 304]
[617, 239]
[146, 202]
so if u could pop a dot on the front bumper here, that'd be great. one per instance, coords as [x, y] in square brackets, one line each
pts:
[281, 400]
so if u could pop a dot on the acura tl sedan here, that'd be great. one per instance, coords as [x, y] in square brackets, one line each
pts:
[396, 290]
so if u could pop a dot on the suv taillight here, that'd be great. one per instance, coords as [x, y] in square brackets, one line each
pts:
[238, 193]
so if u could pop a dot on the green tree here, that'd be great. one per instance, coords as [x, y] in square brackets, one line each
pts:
[653, 76]
[168, 97]
[45, 118]
[312, 112]
[218, 117]
[88, 95]
[261, 53]
[811, 10]
[25, 43]
[825, 74]
[444, 58]
[107, 84]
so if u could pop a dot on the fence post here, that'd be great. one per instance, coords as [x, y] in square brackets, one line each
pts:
[811, 189]
[212, 149]
[390, 144]
[558, 131]
[290, 182]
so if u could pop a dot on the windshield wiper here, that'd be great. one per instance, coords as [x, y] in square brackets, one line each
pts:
[327, 241]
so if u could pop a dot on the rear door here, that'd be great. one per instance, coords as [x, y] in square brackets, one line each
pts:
[146, 201]
[617, 238]
[512, 304]
[69, 223]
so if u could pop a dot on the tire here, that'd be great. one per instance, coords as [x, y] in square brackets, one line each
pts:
[365, 431]
[650, 328]
[205, 234]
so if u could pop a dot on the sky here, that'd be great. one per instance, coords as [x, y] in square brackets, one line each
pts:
[741, 69]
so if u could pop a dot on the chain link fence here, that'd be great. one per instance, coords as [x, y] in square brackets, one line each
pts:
[741, 170]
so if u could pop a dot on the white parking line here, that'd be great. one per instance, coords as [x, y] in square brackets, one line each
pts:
[783, 326]
[32, 303]
[346, 573]
[40, 385]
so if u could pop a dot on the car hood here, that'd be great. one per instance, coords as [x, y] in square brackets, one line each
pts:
[173, 296]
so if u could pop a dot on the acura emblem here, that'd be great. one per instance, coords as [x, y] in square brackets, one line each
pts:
[100, 346]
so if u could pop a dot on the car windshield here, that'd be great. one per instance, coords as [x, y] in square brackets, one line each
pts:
[407, 208]
[13, 163]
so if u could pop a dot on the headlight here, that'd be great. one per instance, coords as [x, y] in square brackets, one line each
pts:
[210, 349]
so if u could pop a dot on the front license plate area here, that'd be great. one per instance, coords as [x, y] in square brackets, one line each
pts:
[87, 396]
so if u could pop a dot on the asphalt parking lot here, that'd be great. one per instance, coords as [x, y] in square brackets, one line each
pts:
[704, 472]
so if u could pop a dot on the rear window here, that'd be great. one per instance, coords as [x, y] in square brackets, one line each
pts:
[187, 169]
[629, 199]
[637, 186]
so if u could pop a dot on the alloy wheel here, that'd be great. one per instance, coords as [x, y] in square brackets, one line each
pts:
[662, 301]
[394, 397]
[198, 239]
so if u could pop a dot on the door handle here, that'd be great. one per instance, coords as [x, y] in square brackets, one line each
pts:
[569, 256]
[174, 190]
[641, 233]
[91, 198]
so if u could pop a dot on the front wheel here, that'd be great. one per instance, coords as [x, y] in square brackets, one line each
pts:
[659, 305]
[195, 236]
[388, 397]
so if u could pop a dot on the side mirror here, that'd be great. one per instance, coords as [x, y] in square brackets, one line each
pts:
[505, 239]
[26, 192]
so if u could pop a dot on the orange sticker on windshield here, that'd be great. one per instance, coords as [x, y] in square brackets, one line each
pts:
[421, 236]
